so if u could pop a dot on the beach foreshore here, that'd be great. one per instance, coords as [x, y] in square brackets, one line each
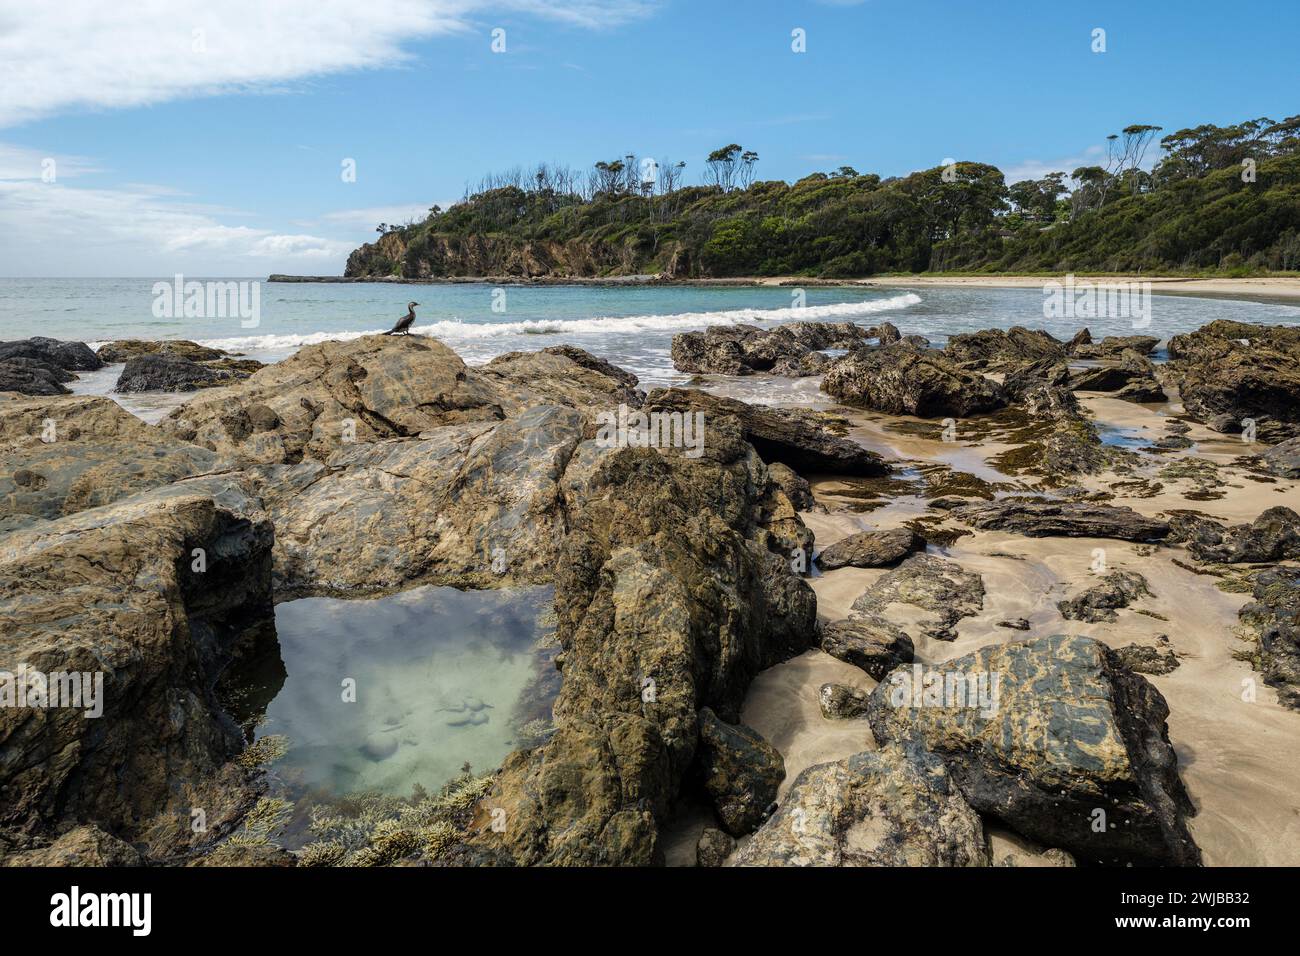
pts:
[1269, 287]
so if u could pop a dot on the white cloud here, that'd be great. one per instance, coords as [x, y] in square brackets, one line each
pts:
[55, 229]
[92, 54]
[1037, 169]
[372, 216]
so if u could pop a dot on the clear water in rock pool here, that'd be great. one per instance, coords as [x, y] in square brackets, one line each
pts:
[442, 677]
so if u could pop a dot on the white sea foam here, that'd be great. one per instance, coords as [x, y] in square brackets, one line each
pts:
[615, 325]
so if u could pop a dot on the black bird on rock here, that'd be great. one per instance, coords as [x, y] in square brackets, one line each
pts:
[403, 326]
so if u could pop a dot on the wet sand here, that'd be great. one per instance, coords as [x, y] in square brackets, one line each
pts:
[1236, 756]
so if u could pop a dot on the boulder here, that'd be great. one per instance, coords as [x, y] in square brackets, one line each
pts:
[332, 394]
[1283, 460]
[942, 587]
[791, 349]
[1000, 350]
[841, 702]
[902, 380]
[891, 807]
[872, 644]
[713, 847]
[562, 377]
[123, 350]
[793, 437]
[1054, 738]
[1273, 536]
[1132, 379]
[1145, 659]
[1039, 518]
[1099, 602]
[1229, 373]
[871, 549]
[33, 377]
[740, 770]
[1112, 346]
[1274, 617]
[166, 373]
[69, 356]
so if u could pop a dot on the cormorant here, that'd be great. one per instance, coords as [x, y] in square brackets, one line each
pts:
[403, 326]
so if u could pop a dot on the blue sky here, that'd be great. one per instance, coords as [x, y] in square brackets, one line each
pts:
[219, 151]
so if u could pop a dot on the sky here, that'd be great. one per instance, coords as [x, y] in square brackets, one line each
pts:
[213, 137]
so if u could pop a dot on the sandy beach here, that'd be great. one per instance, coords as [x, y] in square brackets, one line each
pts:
[1280, 287]
[1231, 750]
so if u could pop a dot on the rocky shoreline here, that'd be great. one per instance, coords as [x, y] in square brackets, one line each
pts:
[953, 622]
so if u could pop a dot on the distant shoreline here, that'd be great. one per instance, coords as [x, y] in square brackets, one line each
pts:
[1275, 288]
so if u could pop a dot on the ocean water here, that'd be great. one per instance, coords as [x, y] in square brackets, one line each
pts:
[632, 326]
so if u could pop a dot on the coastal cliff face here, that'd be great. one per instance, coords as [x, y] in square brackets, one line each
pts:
[434, 256]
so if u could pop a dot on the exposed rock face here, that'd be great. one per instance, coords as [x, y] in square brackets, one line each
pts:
[669, 599]
[80, 846]
[871, 643]
[841, 702]
[1068, 519]
[1273, 536]
[999, 350]
[937, 585]
[123, 350]
[796, 488]
[902, 380]
[567, 376]
[587, 360]
[70, 356]
[119, 591]
[892, 807]
[1283, 460]
[1275, 617]
[793, 437]
[713, 847]
[1228, 373]
[1071, 733]
[791, 349]
[741, 772]
[475, 505]
[1098, 603]
[870, 549]
[96, 454]
[328, 395]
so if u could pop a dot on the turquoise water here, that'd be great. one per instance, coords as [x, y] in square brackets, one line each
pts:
[632, 326]
[385, 693]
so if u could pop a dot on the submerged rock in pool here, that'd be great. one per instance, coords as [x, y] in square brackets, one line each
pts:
[379, 747]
